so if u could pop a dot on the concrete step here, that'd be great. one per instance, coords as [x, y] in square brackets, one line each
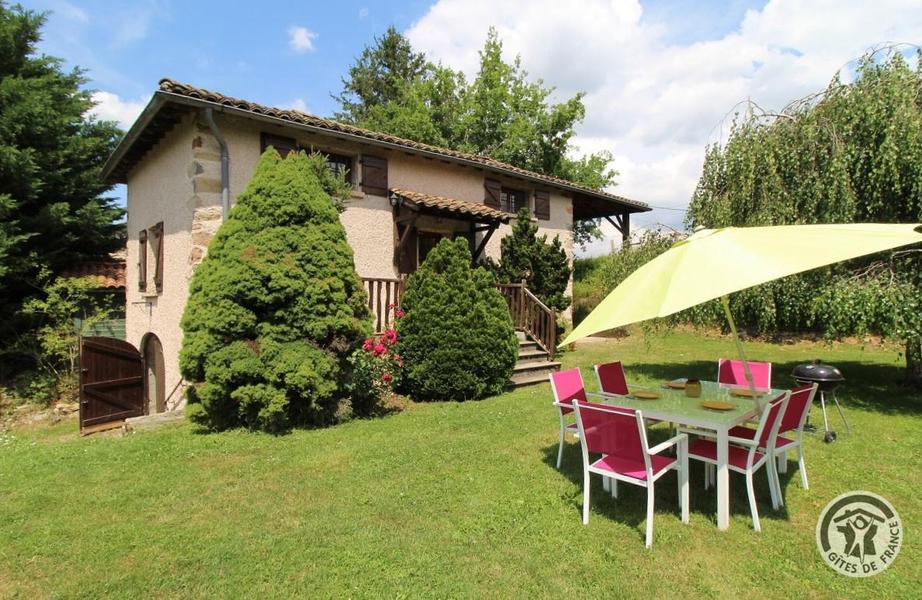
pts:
[155, 421]
[532, 355]
[528, 345]
[533, 372]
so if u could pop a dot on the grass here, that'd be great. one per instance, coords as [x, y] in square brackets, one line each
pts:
[444, 499]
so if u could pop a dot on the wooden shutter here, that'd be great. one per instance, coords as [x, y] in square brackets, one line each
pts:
[157, 232]
[283, 145]
[493, 189]
[374, 175]
[142, 260]
[542, 205]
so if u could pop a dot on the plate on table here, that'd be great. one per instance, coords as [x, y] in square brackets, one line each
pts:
[644, 394]
[717, 405]
[676, 384]
[745, 392]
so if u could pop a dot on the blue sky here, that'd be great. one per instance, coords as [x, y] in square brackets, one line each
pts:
[660, 76]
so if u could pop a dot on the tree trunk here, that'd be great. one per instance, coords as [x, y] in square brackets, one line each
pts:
[914, 361]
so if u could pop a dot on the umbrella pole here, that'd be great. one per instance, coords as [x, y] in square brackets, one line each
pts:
[739, 348]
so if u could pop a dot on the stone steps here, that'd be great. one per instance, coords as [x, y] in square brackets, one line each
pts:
[533, 365]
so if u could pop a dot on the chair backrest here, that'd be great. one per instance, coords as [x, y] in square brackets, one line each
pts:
[611, 431]
[611, 378]
[795, 415]
[770, 421]
[731, 371]
[567, 386]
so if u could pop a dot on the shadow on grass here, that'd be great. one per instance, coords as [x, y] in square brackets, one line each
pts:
[630, 507]
[869, 386]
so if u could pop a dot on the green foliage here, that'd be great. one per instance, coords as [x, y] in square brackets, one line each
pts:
[51, 211]
[66, 309]
[275, 307]
[457, 338]
[850, 154]
[501, 113]
[544, 266]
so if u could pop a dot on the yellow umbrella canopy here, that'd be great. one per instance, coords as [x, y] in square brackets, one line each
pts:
[715, 262]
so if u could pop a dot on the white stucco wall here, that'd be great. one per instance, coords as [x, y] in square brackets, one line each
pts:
[160, 189]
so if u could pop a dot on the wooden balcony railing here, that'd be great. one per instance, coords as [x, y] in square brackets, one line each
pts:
[531, 315]
[382, 293]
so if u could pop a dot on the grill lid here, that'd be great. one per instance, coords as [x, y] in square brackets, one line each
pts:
[817, 371]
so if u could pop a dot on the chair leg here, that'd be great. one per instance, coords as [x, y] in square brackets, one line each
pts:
[783, 462]
[707, 475]
[752, 502]
[614, 487]
[803, 467]
[606, 483]
[563, 432]
[585, 497]
[649, 541]
[683, 483]
[774, 484]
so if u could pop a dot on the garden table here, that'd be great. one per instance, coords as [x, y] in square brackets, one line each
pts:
[675, 406]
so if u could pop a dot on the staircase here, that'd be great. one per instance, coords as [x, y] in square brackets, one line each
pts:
[534, 364]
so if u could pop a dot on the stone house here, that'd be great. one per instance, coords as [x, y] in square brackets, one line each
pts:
[192, 151]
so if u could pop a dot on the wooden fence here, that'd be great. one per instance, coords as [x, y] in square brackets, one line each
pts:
[383, 294]
[531, 315]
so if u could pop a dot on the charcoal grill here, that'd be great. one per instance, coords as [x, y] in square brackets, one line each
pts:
[828, 378]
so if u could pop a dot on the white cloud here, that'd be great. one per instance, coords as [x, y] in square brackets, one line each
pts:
[297, 104]
[110, 107]
[301, 39]
[363, 12]
[70, 11]
[655, 103]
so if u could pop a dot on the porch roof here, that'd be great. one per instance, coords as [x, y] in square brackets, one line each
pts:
[469, 211]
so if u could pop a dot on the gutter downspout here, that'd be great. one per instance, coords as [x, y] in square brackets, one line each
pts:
[208, 114]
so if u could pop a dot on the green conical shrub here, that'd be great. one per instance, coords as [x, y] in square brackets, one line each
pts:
[275, 307]
[456, 339]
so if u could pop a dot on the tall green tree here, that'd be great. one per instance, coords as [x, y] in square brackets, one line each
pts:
[52, 209]
[501, 113]
[850, 154]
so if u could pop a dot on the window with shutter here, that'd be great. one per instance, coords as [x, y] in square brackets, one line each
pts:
[156, 233]
[493, 190]
[374, 175]
[542, 205]
[512, 200]
[283, 145]
[142, 260]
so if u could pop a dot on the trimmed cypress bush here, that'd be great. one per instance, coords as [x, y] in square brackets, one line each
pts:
[275, 307]
[456, 338]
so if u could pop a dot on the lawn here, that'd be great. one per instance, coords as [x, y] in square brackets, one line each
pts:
[446, 500]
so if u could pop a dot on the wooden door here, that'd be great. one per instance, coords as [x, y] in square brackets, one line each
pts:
[111, 381]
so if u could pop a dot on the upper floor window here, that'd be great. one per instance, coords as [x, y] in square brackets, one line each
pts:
[340, 164]
[150, 249]
[512, 200]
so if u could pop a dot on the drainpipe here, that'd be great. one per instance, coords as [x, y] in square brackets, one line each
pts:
[225, 162]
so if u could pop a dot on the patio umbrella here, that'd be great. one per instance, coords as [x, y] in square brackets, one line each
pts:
[713, 263]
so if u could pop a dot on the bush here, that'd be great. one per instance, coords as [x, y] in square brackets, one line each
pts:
[457, 338]
[543, 265]
[275, 308]
[377, 371]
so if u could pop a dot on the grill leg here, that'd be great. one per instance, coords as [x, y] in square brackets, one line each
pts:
[841, 413]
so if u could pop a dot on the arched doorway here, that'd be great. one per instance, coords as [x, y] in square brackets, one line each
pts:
[154, 393]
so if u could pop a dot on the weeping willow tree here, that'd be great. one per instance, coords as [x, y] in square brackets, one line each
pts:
[851, 153]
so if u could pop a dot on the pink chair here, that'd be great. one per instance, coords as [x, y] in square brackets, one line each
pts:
[567, 387]
[618, 434]
[611, 378]
[745, 455]
[732, 372]
[795, 416]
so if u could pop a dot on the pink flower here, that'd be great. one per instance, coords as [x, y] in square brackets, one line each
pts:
[368, 345]
[399, 313]
[386, 377]
[390, 336]
[380, 349]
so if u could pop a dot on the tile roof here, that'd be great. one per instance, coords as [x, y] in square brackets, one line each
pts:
[169, 86]
[109, 274]
[451, 205]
